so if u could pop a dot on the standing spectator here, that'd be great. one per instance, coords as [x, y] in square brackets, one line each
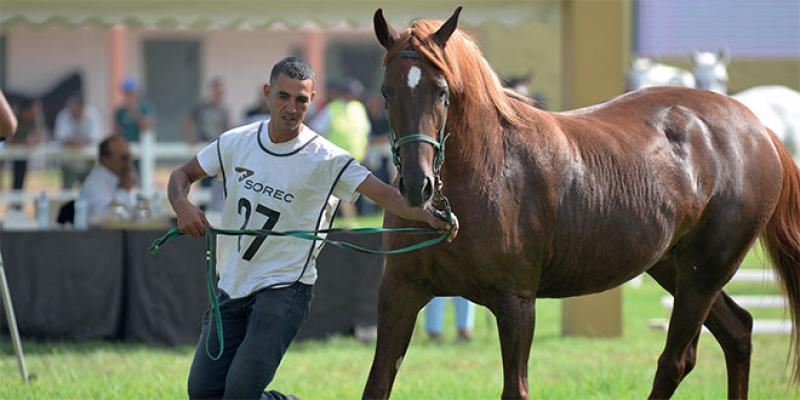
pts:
[134, 115]
[258, 111]
[8, 121]
[111, 178]
[209, 118]
[207, 121]
[434, 317]
[344, 122]
[379, 151]
[30, 133]
[77, 127]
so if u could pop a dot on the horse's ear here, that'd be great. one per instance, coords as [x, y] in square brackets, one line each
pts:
[383, 31]
[447, 28]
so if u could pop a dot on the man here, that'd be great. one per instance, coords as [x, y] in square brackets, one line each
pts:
[77, 127]
[281, 175]
[134, 116]
[209, 118]
[111, 178]
[345, 123]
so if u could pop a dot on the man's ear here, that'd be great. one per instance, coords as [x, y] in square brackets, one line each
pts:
[313, 95]
[266, 89]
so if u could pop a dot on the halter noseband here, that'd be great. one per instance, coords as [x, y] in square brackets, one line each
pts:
[438, 144]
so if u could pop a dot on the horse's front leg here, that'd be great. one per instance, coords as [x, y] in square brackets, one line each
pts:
[399, 302]
[515, 323]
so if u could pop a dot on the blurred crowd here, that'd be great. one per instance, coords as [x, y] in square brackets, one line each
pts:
[350, 116]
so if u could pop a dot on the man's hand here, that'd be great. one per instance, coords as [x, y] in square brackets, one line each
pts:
[191, 219]
[438, 222]
[390, 199]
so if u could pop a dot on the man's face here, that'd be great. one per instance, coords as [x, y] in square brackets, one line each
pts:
[289, 100]
[217, 91]
[75, 107]
[120, 158]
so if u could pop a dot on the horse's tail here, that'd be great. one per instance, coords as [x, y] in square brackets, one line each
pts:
[781, 238]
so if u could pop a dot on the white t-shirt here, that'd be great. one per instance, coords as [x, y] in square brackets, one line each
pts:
[101, 187]
[294, 185]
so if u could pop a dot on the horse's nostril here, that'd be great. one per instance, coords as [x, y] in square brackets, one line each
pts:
[401, 187]
[427, 191]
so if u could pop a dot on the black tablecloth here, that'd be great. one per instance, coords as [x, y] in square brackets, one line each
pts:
[65, 285]
[103, 284]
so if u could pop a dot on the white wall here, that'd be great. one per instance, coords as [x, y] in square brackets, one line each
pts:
[38, 58]
[242, 58]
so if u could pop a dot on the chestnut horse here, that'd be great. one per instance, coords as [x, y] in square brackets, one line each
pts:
[674, 182]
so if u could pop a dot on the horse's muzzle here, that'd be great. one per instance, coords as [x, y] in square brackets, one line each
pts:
[417, 192]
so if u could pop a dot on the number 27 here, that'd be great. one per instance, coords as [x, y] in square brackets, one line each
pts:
[272, 219]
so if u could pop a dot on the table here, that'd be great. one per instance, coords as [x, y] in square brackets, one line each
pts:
[102, 284]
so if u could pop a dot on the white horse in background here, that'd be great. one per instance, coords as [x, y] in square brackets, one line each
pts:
[644, 72]
[778, 107]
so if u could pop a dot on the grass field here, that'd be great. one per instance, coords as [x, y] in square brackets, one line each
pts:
[560, 367]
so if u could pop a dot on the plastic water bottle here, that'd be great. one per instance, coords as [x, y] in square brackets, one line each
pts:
[81, 212]
[42, 211]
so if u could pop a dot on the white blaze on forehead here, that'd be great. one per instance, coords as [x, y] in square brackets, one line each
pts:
[414, 75]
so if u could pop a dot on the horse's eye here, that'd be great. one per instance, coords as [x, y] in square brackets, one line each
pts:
[442, 94]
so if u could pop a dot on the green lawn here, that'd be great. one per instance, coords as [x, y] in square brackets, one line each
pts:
[560, 368]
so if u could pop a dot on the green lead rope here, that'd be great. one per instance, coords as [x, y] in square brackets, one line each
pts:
[211, 252]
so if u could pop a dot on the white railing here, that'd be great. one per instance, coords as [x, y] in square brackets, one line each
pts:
[147, 151]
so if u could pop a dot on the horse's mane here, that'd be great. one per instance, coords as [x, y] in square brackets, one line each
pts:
[468, 74]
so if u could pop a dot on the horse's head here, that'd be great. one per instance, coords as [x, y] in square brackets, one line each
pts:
[710, 70]
[417, 96]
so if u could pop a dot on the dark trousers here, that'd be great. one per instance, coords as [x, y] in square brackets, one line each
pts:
[257, 330]
[20, 170]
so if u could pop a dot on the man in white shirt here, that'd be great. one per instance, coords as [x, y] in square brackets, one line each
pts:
[77, 127]
[281, 175]
[112, 177]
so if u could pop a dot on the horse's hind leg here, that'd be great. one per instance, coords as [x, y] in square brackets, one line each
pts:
[691, 306]
[398, 304]
[515, 323]
[730, 324]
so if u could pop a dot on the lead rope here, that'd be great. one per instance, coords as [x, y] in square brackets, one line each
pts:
[211, 255]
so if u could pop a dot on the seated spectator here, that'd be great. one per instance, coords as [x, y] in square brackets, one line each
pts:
[434, 317]
[77, 127]
[111, 179]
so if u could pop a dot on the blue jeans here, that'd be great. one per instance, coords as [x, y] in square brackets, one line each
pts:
[257, 330]
[434, 314]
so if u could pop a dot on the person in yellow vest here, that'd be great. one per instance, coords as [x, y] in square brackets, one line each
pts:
[344, 121]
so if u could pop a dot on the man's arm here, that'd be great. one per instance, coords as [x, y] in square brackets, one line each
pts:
[191, 219]
[392, 201]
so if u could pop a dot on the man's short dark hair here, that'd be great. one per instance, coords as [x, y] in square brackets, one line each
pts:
[293, 67]
[105, 146]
